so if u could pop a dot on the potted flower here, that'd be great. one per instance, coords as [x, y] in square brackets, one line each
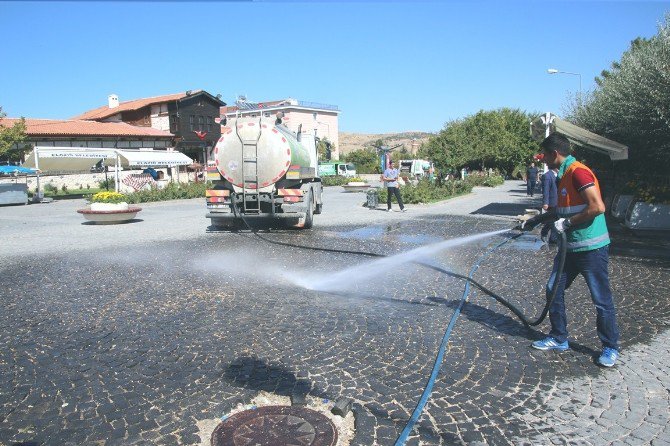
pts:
[109, 201]
[109, 207]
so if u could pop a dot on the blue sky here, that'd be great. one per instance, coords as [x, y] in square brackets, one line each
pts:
[389, 66]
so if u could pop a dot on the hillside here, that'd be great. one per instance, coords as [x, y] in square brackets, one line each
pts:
[353, 141]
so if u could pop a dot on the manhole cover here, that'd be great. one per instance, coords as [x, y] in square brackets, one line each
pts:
[276, 425]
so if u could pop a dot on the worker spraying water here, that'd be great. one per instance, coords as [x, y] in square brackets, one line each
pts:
[579, 215]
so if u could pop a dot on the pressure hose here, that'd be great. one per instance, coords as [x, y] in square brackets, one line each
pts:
[562, 249]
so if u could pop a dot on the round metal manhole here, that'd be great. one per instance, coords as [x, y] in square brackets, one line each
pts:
[276, 425]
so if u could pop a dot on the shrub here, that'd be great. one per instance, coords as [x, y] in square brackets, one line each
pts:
[427, 192]
[107, 184]
[335, 180]
[173, 191]
[49, 187]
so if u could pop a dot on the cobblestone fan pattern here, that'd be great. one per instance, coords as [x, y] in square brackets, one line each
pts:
[135, 346]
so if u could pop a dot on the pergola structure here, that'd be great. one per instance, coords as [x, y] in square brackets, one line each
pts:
[46, 159]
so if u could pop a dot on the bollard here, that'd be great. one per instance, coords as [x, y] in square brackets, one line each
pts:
[373, 198]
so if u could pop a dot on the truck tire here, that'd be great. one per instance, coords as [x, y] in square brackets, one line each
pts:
[309, 217]
[308, 221]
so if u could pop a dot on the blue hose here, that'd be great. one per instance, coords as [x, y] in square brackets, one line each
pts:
[440, 355]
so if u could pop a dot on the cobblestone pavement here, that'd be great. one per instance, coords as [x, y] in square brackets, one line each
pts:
[135, 335]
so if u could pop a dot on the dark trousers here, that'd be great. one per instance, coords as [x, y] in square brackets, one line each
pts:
[592, 265]
[395, 191]
[530, 187]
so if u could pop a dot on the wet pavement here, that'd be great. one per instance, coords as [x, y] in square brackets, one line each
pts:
[134, 334]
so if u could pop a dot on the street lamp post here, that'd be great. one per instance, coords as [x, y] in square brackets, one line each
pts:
[555, 71]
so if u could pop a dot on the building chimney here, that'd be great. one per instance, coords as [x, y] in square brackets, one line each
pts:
[113, 100]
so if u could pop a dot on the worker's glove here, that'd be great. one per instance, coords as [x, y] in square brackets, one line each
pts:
[531, 223]
[562, 225]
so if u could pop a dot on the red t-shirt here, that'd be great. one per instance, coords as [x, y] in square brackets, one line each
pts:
[583, 179]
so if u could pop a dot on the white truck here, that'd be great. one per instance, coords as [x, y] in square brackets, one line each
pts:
[262, 170]
[416, 169]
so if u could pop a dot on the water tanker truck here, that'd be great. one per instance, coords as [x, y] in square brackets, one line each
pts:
[262, 170]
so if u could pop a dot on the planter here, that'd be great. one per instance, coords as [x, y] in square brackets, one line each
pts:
[356, 186]
[640, 215]
[109, 213]
[620, 205]
[109, 206]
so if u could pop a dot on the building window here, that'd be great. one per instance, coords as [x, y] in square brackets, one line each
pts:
[201, 123]
[210, 120]
[191, 120]
[174, 124]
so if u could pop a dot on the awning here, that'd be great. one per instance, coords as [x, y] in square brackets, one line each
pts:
[74, 159]
[577, 136]
[153, 158]
[65, 159]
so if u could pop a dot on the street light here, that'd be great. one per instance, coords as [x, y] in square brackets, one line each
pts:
[555, 71]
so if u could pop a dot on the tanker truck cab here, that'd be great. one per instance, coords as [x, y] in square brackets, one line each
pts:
[262, 170]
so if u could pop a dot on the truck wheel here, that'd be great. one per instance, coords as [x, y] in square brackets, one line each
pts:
[308, 221]
[309, 217]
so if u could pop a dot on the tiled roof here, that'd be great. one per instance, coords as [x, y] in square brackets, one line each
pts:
[56, 127]
[105, 112]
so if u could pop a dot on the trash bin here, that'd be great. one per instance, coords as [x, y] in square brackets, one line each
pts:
[373, 198]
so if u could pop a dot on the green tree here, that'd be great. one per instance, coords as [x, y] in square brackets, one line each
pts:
[631, 103]
[12, 138]
[366, 160]
[325, 148]
[498, 139]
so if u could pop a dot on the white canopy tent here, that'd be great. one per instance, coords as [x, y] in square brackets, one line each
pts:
[47, 159]
[546, 124]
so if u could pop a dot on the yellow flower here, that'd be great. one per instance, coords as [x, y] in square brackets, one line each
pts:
[108, 197]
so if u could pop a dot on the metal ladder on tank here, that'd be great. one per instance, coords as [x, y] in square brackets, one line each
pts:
[250, 171]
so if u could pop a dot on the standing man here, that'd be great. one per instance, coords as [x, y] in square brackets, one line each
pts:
[549, 200]
[390, 177]
[531, 179]
[580, 215]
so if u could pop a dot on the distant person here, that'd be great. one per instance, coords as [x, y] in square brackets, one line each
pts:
[531, 179]
[151, 171]
[549, 201]
[390, 177]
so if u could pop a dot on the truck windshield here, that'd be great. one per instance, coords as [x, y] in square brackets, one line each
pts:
[351, 167]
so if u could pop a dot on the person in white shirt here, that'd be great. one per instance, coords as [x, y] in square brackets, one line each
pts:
[390, 177]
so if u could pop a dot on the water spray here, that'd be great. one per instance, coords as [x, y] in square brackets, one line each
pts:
[416, 256]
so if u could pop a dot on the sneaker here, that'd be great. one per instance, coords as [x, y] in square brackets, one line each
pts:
[608, 357]
[403, 210]
[388, 210]
[550, 343]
